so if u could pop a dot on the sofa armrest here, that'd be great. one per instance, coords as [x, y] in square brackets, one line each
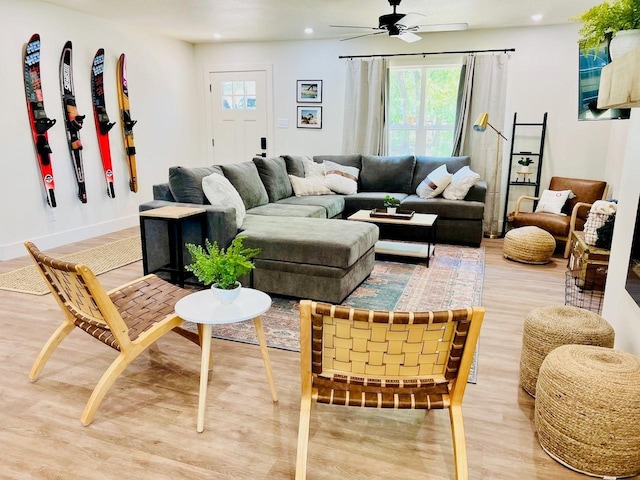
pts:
[163, 192]
[478, 192]
[221, 221]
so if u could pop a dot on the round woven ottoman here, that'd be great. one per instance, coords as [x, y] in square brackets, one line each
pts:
[529, 245]
[546, 328]
[587, 409]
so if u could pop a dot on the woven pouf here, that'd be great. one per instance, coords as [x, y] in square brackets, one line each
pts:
[546, 328]
[587, 410]
[529, 245]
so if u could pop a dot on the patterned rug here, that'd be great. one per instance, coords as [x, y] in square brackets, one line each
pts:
[454, 279]
[100, 259]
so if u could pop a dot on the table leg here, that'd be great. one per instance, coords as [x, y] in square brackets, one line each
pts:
[204, 373]
[200, 337]
[265, 356]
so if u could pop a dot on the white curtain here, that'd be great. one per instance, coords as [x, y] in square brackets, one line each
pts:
[364, 111]
[486, 148]
[464, 103]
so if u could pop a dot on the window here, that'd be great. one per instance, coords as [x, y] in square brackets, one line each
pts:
[421, 109]
[239, 95]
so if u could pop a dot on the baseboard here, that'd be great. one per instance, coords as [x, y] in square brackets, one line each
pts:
[14, 250]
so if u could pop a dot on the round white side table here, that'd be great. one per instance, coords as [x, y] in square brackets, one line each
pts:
[204, 309]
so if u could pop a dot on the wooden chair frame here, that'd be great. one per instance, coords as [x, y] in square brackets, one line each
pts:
[128, 318]
[336, 375]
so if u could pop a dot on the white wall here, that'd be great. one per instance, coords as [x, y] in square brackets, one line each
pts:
[543, 74]
[161, 89]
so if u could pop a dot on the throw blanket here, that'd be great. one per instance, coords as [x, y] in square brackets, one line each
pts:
[602, 206]
[599, 214]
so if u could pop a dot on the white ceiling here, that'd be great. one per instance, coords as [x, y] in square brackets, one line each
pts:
[270, 20]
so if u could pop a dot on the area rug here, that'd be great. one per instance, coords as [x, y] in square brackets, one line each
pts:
[100, 259]
[454, 279]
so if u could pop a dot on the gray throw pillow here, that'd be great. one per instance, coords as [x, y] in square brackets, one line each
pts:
[295, 166]
[274, 176]
[185, 183]
[246, 180]
[386, 174]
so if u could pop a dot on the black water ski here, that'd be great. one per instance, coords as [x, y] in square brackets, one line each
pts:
[38, 119]
[73, 121]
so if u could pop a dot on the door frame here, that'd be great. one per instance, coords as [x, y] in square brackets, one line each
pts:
[242, 67]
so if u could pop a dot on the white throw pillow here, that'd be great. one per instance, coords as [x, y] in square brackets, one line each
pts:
[552, 201]
[311, 168]
[341, 179]
[435, 183]
[220, 192]
[461, 183]
[308, 186]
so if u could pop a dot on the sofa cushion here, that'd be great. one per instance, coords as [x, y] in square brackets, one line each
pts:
[273, 173]
[460, 184]
[425, 165]
[246, 180]
[435, 183]
[185, 183]
[291, 210]
[311, 241]
[219, 191]
[346, 160]
[333, 204]
[368, 201]
[386, 174]
[450, 209]
[308, 186]
[340, 178]
[294, 165]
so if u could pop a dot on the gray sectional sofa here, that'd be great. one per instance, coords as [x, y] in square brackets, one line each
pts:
[307, 249]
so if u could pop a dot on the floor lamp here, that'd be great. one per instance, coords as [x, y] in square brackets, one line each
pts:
[481, 126]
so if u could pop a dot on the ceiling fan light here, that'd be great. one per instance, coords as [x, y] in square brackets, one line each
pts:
[409, 37]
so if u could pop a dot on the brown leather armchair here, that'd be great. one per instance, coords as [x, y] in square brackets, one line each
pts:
[575, 210]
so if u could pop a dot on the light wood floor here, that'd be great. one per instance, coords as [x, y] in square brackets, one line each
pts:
[145, 428]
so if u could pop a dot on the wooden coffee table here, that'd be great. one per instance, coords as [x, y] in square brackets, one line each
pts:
[426, 221]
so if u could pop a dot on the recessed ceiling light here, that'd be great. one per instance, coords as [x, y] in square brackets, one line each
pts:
[537, 17]
[217, 35]
[308, 30]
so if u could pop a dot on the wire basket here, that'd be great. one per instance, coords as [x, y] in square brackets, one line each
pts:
[584, 288]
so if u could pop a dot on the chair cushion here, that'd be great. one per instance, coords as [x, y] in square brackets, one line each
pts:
[587, 191]
[556, 225]
[246, 180]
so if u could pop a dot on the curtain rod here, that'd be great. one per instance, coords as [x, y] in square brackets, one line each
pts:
[505, 50]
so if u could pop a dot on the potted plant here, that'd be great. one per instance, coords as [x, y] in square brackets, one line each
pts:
[525, 162]
[619, 19]
[391, 203]
[221, 268]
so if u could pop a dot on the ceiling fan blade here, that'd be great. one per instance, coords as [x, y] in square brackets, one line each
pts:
[441, 27]
[411, 20]
[353, 26]
[365, 35]
[409, 37]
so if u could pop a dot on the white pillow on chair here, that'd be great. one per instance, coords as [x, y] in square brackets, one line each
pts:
[552, 201]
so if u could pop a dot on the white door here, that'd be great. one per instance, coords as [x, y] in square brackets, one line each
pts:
[239, 114]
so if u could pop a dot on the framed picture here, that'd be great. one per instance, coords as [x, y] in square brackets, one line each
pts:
[309, 117]
[309, 91]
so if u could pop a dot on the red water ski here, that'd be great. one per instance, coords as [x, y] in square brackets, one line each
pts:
[37, 116]
[101, 118]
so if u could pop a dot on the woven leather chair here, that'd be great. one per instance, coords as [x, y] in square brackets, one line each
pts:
[128, 319]
[368, 358]
[575, 210]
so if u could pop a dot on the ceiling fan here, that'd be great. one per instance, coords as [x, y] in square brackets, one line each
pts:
[404, 26]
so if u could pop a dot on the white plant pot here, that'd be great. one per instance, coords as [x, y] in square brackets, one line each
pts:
[624, 42]
[391, 210]
[525, 169]
[225, 296]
